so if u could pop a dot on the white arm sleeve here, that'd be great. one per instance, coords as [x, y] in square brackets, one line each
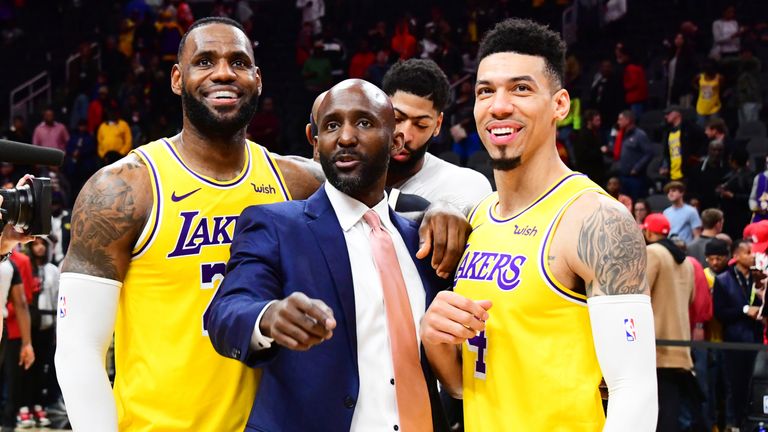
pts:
[86, 319]
[625, 343]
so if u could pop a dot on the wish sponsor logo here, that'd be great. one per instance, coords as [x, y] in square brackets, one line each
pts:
[503, 269]
[265, 189]
[526, 230]
[629, 329]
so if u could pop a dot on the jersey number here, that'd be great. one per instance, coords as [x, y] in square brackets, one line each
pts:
[210, 274]
[479, 345]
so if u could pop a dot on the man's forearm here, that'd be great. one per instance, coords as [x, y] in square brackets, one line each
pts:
[445, 360]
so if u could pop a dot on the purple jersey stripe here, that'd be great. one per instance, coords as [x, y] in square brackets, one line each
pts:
[157, 208]
[541, 198]
[234, 182]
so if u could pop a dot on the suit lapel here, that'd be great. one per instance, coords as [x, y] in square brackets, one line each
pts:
[324, 225]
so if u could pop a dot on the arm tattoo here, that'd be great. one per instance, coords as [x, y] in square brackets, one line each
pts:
[104, 213]
[611, 245]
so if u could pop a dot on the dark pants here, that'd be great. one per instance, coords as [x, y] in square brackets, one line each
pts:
[41, 374]
[634, 186]
[738, 366]
[672, 385]
[16, 381]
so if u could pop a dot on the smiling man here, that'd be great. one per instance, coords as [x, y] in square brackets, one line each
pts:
[150, 239]
[334, 288]
[551, 294]
[419, 91]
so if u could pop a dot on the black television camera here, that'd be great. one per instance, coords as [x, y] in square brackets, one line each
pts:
[28, 207]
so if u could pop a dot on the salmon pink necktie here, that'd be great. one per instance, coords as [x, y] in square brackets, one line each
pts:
[410, 386]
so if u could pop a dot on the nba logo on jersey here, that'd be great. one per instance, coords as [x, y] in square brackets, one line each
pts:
[629, 329]
[62, 307]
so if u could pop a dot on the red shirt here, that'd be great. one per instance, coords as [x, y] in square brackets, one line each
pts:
[24, 265]
[635, 84]
[700, 310]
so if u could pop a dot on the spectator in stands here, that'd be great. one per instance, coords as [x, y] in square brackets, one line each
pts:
[136, 116]
[264, 128]
[312, 12]
[613, 187]
[683, 218]
[671, 281]
[684, 143]
[709, 175]
[571, 124]
[113, 61]
[632, 149]
[717, 131]
[734, 194]
[635, 82]
[378, 69]
[81, 159]
[18, 131]
[419, 91]
[361, 60]
[113, 138]
[758, 197]
[50, 133]
[736, 307]
[709, 84]
[403, 43]
[681, 68]
[588, 147]
[711, 225]
[335, 51]
[607, 94]
[726, 34]
[640, 211]
[317, 70]
[748, 89]
[98, 107]
[717, 256]
[169, 34]
[41, 375]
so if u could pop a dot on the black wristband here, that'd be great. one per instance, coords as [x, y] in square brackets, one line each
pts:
[4, 257]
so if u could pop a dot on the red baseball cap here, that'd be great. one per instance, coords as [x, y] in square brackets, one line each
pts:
[758, 233]
[656, 223]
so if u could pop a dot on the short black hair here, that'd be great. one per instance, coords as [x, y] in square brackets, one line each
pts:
[420, 77]
[206, 21]
[526, 37]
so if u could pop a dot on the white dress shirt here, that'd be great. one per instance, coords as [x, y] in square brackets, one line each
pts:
[376, 407]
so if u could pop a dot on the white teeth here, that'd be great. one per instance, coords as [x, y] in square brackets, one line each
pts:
[502, 131]
[223, 94]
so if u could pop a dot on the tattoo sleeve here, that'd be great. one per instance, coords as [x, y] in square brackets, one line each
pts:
[612, 246]
[105, 222]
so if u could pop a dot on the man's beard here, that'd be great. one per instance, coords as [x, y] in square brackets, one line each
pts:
[371, 169]
[405, 167]
[506, 163]
[207, 123]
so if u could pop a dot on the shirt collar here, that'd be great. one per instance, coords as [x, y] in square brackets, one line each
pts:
[350, 211]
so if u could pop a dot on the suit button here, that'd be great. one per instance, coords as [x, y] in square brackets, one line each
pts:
[236, 353]
[349, 402]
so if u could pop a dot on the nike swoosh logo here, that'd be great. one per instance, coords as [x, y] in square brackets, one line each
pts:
[178, 198]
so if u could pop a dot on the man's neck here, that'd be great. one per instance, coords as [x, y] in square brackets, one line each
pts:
[743, 270]
[711, 233]
[396, 178]
[676, 124]
[219, 157]
[678, 204]
[519, 187]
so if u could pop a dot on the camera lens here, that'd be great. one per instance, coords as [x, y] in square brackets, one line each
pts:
[17, 206]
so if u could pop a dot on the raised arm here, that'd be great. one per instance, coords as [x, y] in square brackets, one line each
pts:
[108, 216]
[611, 260]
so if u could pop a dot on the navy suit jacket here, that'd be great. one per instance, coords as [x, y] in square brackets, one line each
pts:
[295, 246]
[729, 299]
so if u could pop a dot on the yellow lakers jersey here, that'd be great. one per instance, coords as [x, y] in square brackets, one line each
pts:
[168, 376]
[534, 368]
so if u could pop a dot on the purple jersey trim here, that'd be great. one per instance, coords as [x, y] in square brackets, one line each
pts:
[234, 182]
[276, 173]
[158, 207]
[541, 198]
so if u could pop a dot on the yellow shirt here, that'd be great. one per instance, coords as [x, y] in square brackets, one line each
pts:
[708, 102]
[169, 378]
[534, 368]
[114, 136]
[675, 156]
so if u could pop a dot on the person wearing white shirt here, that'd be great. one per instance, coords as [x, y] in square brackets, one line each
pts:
[326, 295]
[726, 33]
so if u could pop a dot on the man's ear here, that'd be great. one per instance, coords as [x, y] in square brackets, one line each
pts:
[562, 104]
[176, 79]
[436, 132]
[258, 78]
[398, 142]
